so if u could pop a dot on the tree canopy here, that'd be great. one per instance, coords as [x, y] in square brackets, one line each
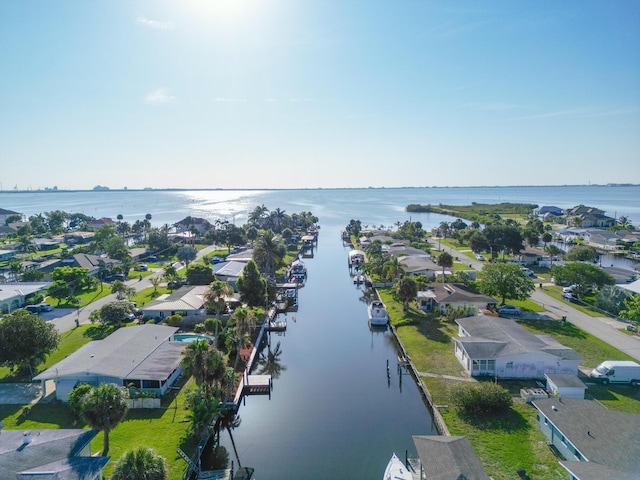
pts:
[26, 340]
[584, 276]
[505, 281]
[141, 463]
[200, 274]
[104, 407]
[252, 287]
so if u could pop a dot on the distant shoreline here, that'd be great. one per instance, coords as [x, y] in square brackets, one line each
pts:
[121, 190]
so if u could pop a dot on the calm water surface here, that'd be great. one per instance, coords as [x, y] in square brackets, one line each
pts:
[333, 412]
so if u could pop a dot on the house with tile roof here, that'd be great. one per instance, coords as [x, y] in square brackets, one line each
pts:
[500, 348]
[596, 443]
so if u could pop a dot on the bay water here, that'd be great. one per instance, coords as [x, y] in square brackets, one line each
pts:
[334, 412]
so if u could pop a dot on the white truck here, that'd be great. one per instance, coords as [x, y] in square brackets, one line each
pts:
[617, 371]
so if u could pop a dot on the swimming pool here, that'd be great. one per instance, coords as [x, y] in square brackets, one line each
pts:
[191, 337]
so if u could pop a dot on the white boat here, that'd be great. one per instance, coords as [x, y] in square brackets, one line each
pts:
[378, 313]
[396, 470]
[358, 279]
[355, 258]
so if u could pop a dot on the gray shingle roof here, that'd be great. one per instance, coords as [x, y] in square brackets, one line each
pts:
[48, 448]
[448, 458]
[494, 336]
[116, 356]
[604, 437]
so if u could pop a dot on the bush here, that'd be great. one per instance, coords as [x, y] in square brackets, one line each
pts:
[481, 398]
[75, 399]
[210, 325]
[174, 320]
[199, 328]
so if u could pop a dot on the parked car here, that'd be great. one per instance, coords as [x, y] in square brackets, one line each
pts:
[45, 307]
[32, 308]
[114, 277]
[482, 258]
[142, 268]
[569, 296]
[152, 258]
[509, 310]
[568, 289]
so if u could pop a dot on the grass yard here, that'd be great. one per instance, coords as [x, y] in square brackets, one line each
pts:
[510, 441]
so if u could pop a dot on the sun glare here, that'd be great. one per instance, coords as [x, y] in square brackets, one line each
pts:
[229, 13]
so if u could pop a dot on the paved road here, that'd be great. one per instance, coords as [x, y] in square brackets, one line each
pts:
[605, 328]
[65, 319]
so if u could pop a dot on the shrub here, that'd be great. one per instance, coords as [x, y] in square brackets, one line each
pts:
[481, 398]
[75, 399]
[210, 325]
[199, 328]
[174, 320]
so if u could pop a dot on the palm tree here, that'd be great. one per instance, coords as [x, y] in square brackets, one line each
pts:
[393, 268]
[406, 290]
[244, 321]
[206, 364]
[155, 281]
[141, 463]
[258, 214]
[268, 252]
[215, 297]
[104, 407]
[445, 260]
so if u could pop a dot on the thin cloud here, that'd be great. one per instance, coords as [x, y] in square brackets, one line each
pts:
[581, 112]
[147, 22]
[489, 106]
[229, 100]
[159, 96]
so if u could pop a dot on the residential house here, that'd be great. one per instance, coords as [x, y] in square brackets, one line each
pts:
[448, 458]
[49, 454]
[548, 211]
[4, 213]
[586, 217]
[240, 255]
[229, 272]
[101, 222]
[596, 443]
[633, 287]
[73, 238]
[400, 250]
[445, 297]
[188, 301]
[414, 265]
[15, 295]
[500, 348]
[533, 256]
[7, 255]
[605, 239]
[96, 265]
[202, 225]
[142, 356]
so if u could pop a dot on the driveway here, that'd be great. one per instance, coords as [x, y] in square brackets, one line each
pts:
[19, 393]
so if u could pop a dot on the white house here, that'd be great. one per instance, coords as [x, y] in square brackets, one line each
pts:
[187, 301]
[14, 295]
[499, 347]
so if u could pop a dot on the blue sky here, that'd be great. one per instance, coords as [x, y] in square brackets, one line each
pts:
[318, 93]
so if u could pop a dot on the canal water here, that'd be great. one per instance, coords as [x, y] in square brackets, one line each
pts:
[333, 412]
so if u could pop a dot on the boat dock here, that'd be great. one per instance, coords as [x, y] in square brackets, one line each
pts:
[255, 385]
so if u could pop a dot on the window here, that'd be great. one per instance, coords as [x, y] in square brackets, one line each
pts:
[509, 365]
[476, 365]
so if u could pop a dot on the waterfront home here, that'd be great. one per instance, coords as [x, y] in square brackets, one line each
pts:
[595, 443]
[73, 238]
[400, 249]
[229, 272]
[448, 457]
[600, 238]
[548, 212]
[100, 222]
[585, 217]
[187, 224]
[188, 301]
[414, 265]
[533, 256]
[141, 356]
[445, 297]
[15, 295]
[49, 454]
[500, 348]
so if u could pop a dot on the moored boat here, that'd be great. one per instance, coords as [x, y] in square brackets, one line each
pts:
[378, 313]
[396, 470]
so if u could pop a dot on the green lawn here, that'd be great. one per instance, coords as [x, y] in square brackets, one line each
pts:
[510, 441]
[162, 429]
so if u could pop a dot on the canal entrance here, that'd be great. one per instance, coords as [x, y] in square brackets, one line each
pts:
[334, 411]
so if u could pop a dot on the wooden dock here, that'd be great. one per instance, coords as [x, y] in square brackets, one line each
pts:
[255, 385]
[276, 326]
